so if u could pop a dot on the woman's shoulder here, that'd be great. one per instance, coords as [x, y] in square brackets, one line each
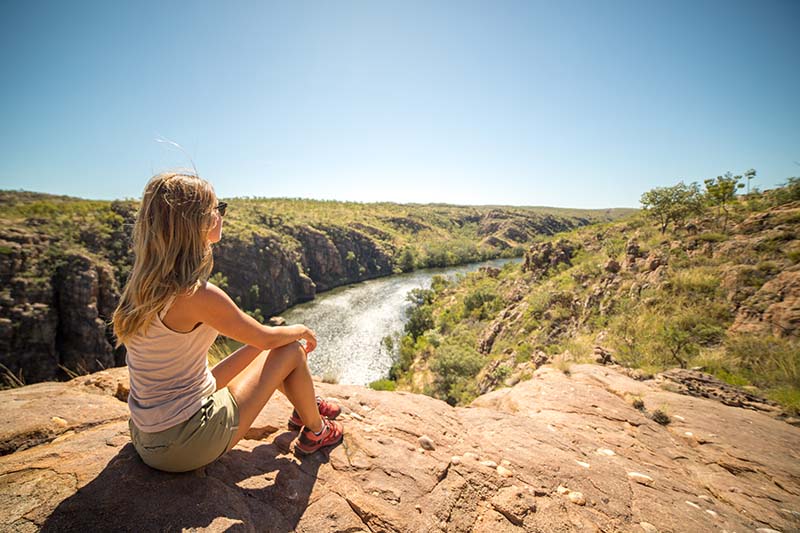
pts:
[202, 294]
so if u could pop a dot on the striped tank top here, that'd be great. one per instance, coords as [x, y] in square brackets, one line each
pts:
[169, 373]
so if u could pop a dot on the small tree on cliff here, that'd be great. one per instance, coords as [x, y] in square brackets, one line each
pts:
[721, 192]
[672, 204]
[749, 175]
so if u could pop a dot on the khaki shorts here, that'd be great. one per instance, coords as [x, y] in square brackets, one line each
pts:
[193, 443]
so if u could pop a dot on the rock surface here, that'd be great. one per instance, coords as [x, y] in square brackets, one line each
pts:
[555, 453]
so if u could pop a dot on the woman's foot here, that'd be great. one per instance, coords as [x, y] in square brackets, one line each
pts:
[308, 442]
[326, 409]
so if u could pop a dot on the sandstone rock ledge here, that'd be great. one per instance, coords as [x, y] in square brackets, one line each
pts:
[556, 453]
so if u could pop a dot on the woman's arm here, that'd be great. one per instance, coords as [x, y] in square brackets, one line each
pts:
[212, 305]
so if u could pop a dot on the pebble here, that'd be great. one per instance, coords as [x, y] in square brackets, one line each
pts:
[471, 455]
[551, 428]
[504, 472]
[679, 417]
[411, 447]
[689, 434]
[706, 497]
[692, 504]
[418, 508]
[606, 451]
[648, 527]
[562, 490]
[576, 498]
[766, 530]
[505, 462]
[712, 513]
[426, 442]
[60, 421]
[455, 460]
[641, 478]
[581, 463]
[490, 464]
[356, 416]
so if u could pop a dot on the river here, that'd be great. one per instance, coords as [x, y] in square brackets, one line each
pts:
[351, 322]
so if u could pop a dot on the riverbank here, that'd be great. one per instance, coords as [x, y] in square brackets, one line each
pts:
[358, 326]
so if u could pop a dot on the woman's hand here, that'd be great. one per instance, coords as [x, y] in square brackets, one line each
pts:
[311, 339]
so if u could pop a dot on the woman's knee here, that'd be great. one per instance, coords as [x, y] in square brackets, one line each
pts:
[293, 353]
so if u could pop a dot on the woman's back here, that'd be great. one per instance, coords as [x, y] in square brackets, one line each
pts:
[169, 373]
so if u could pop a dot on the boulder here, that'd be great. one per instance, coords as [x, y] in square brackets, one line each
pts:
[612, 266]
[545, 255]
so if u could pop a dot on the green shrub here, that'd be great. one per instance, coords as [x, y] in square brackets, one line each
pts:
[769, 360]
[219, 280]
[501, 373]
[787, 396]
[697, 281]
[481, 303]
[524, 352]
[383, 384]
[405, 357]
[660, 417]
[788, 192]
[256, 313]
[712, 236]
[405, 260]
[454, 366]
[420, 319]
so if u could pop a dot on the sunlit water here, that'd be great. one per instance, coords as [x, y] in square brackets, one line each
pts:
[351, 322]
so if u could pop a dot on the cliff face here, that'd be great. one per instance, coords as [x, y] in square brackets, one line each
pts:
[54, 310]
[579, 452]
[63, 262]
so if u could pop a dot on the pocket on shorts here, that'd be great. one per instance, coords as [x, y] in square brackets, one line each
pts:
[155, 448]
[148, 443]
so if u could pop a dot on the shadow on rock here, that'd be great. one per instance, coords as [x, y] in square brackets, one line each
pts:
[258, 490]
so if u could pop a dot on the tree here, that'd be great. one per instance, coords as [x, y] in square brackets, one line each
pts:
[750, 174]
[672, 204]
[683, 334]
[406, 260]
[721, 192]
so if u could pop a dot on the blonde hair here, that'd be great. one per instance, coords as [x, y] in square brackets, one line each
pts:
[172, 253]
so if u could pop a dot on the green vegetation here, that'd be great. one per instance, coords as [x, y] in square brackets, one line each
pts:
[672, 204]
[675, 308]
[383, 384]
[721, 193]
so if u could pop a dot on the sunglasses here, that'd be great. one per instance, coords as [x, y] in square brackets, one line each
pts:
[222, 207]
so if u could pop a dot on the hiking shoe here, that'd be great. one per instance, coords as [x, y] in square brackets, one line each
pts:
[307, 443]
[326, 409]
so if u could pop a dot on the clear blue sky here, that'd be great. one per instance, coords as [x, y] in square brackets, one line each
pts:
[572, 104]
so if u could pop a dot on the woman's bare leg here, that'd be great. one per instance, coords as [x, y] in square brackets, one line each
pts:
[235, 363]
[254, 386]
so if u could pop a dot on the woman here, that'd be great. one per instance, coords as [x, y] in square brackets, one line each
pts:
[184, 414]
